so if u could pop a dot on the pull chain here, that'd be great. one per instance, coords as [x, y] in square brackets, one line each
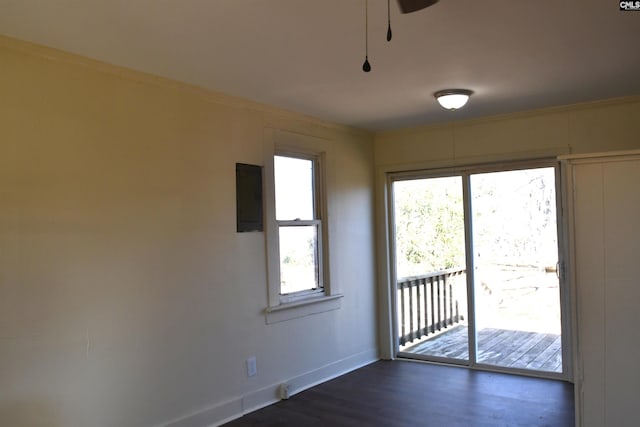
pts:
[389, 20]
[366, 67]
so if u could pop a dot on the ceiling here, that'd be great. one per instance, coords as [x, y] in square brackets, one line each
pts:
[307, 55]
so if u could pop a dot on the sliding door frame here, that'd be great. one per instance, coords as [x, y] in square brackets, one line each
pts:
[465, 173]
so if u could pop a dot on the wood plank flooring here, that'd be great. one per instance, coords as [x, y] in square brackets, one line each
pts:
[498, 347]
[404, 393]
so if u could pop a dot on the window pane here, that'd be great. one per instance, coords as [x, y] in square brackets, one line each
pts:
[429, 226]
[515, 238]
[298, 258]
[294, 188]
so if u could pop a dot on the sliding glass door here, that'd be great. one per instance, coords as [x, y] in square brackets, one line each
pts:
[515, 250]
[476, 260]
[431, 264]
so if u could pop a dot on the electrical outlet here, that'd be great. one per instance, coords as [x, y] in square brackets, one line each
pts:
[252, 367]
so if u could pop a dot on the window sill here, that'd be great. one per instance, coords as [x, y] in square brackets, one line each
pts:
[306, 307]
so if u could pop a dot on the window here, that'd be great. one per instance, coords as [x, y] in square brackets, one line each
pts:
[298, 192]
[299, 225]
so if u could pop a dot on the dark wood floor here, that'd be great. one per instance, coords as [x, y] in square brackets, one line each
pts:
[498, 347]
[405, 393]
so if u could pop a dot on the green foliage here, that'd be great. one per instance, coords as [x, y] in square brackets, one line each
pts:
[429, 225]
[514, 221]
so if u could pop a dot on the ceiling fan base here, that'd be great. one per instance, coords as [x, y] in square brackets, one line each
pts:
[408, 6]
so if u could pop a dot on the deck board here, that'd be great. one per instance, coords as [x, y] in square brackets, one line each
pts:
[499, 347]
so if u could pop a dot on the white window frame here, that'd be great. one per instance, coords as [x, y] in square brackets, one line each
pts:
[317, 160]
[283, 307]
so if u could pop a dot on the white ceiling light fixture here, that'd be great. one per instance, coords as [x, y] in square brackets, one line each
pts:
[453, 99]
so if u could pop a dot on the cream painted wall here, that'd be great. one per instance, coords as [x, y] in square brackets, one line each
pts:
[126, 296]
[586, 128]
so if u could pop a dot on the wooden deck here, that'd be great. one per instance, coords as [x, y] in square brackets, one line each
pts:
[498, 347]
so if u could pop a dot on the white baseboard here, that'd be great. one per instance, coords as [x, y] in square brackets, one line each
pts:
[221, 413]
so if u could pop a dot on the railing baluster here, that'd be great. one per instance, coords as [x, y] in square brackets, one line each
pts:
[439, 304]
[450, 304]
[418, 311]
[444, 301]
[425, 330]
[412, 334]
[433, 318]
[402, 315]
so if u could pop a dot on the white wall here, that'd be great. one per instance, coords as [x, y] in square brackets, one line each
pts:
[126, 296]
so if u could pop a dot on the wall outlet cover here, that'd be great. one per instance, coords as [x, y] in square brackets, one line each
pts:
[252, 367]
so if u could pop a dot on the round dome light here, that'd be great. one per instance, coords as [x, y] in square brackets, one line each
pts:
[453, 99]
